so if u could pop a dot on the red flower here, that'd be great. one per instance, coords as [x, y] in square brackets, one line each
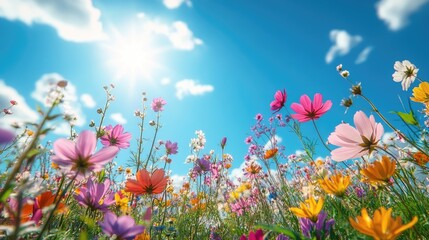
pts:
[146, 183]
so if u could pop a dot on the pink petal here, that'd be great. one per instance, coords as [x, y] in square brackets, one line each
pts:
[363, 124]
[317, 101]
[117, 130]
[345, 135]
[298, 108]
[305, 102]
[86, 143]
[104, 156]
[65, 149]
[325, 107]
[344, 153]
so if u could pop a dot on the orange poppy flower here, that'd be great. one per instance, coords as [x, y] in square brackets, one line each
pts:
[270, 153]
[147, 183]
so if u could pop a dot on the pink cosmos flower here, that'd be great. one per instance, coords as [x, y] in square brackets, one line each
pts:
[158, 104]
[95, 195]
[123, 227]
[115, 136]
[308, 110]
[279, 100]
[78, 158]
[356, 142]
[258, 235]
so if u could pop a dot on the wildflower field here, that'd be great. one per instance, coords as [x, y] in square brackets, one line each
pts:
[367, 187]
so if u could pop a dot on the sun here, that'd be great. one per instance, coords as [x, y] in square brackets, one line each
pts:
[133, 56]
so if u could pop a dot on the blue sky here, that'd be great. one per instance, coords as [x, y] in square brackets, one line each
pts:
[217, 63]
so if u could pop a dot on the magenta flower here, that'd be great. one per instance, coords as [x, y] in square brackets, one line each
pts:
[258, 235]
[6, 136]
[158, 104]
[95, 196]
[115, 136]
[308, 110]
[78, 158]
[356, 142]
[279, 100]
[171, 148]
[123, 227]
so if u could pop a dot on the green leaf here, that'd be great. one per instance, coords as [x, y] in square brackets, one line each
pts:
[83, 235]
[33, 152]
[281, 230]
[408, 118]
[52, 117]
[6, 193]
[101, 175]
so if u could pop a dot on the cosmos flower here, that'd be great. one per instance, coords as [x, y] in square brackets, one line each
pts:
[336, 184]
[321, 228]
[379, 172]
[123, 227]
[279, 100]
[382, 226]
[158, 104]
[356, 142]
[202, 165]
[147, 183]
[405, 72]
[95, 196]
[115, 136]
[421, 93]
[421, 158]
[79, 157]
[270, 153]
[308, 209]
[307, 110]
[171, 148]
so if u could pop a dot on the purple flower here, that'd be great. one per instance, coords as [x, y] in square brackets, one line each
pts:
[202, 165]
[282, 237]
[223, 143]
[79, 157]
[171, 148]
[115, 136]
[6, 136]
[259, 117]
[123, 227]
[321, 228]
[95, 196]
[158, 104]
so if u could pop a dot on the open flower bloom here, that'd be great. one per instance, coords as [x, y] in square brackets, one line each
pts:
[405, 72]
[78, 158]
[258, 235]
[421, 93]
[279, 100]
[307, 110]
[146, 183]
[308, 209]
[356, 142]
[270, 153]
[379, 172]
[336, 184]
[123, 227]
[95, 196]
[158, 104]
[421, 158]
[383, 226]
[115, 136]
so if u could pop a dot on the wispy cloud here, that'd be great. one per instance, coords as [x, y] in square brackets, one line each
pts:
[343, 42]
[172, 4]
[77, 20]
[87, 100]
[363, 55]
[117, 117]
[191, 87]
[396, 13]
[274, 141]
[21, 112]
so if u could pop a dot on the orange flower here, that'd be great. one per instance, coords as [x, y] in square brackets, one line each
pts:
[380, 172]
[382, 226]
[46, 199]
[146, 183]
[270, 153]
[421, 158]
[308, 209]
[143, 236]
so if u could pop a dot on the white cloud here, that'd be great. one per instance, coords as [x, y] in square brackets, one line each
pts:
[172, 4]
[343, 42]
[363, 55]
[117, 117]
[395, 13]
[178, 33]
[165, 81]
[70, 105]
[191, 87]
[237, 173]
[20, 113]
[77, 20]
[62, 129]
[178, 181]
[274, 141]
[87, 100]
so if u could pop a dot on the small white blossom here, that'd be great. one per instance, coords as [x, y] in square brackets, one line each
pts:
[405, 72]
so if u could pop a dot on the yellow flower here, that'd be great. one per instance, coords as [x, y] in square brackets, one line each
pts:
[120, 169]
[29, 133]
[421, 93]
[383, 226]
[308, 209]
[128, 171]
[379, 172]
[143, 236]
[421, 158]
[336, 184]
